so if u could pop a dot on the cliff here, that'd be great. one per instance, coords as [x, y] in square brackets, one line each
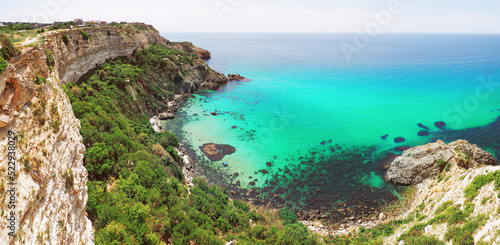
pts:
[456, 195]
[50, 194]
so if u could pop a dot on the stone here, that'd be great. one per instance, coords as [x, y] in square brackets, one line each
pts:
[264, 171]
[213, 113]
[399, 140]
[381, 216]
[235, 77]
[166, 116]
[216, 152]
[4, 120]
[423, 133]
[384, 137]
[420, 162]
[441, 125]
[233, 127]
[269, 164]
[423, 126]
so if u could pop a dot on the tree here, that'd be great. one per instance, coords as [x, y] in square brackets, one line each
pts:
[8, 50]
[97, 160]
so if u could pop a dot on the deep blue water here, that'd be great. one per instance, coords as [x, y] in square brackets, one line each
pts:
[318, 116]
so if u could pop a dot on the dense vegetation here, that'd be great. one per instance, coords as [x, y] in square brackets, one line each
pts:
[136, 190]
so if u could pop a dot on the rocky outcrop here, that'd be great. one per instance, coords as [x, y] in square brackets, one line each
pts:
[200, 75]
[422, 162]
[191, 48]
[216, 152]
[235, 77]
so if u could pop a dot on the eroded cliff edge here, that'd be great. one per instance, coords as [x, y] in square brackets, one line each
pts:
[456, 195]
[51, 195]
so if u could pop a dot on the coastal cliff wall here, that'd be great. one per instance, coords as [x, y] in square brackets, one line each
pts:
[38, 126]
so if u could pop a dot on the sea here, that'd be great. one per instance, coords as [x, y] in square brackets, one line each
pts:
[320, 115]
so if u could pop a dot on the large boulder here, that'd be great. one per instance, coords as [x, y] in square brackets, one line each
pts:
[421, 162]
[215, 152]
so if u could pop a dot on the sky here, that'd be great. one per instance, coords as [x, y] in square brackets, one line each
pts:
[289, 16]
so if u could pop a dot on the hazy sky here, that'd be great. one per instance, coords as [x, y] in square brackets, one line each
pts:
[455, 16]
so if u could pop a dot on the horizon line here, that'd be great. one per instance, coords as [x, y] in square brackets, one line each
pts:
[219, 32]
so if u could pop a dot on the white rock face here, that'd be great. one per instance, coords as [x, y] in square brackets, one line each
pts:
[51, 193]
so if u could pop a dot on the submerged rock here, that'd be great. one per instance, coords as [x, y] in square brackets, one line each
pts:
[216, 152]
[235, 77]
[422, 162]
[165, 116]
[423, 133]
[399, 140]
[441, 125]
[401, 148]
[422, 126]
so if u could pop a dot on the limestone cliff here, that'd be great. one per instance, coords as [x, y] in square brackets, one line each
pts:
[456, 198]
[51, 193]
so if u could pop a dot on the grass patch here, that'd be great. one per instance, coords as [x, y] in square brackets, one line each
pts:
[464, 234]
[472, 190]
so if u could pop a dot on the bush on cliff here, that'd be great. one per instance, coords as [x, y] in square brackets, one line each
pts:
[8, 50]
[65, 39]
[50, 58]
[85, 35]
[3, 65]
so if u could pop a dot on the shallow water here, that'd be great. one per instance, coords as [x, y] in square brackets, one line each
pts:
[317, 118]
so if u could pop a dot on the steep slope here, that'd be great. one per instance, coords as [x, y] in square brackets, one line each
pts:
[458, 203]
[50, 197]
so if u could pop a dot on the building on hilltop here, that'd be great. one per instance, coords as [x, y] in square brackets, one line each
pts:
[79, 22]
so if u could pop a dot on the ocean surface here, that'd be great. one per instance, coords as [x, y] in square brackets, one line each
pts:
[312, 124]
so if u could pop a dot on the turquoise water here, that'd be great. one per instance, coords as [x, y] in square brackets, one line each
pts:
[310, 110]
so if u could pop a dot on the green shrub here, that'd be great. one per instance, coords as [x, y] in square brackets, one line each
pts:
[65, 39]
[288, 216]
[8, 50]
[50, 58]
[85, 35]
[3, 65]
[39, 79]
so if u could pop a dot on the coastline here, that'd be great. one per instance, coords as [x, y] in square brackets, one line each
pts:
[318, 226]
